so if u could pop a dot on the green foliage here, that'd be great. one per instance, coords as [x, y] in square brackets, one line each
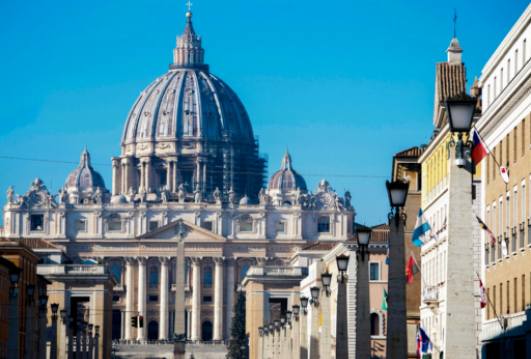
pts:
[238, 347]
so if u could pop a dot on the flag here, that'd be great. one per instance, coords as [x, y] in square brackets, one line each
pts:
[482, 295]
[421, 228]
[484, 227]
[424, 345]
[479, 150]
[384, 300]
[411, 269]
[503, 247]
[504, 173]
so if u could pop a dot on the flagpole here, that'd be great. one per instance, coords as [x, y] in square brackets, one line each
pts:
[492, 306]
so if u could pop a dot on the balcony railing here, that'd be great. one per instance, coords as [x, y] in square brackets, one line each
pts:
[70, 269]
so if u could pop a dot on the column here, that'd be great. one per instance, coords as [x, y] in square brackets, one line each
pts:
[229, 304]
[129, 291]
[196, 298]
[116, 178]
[363, 326]
[126, 175]
[396, 344]
[303, 341]
[141, 297]
[175, 177]
[164, 284]
[296, 337]
[314, 333]
[325, 340]
[218, 299]
[169, 174]
[148, 179]
[342, 325]
[460, 315]
[180, 269]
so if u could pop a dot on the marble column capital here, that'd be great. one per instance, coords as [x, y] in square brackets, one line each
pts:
[218, 260]
[164, 260]
[141, 260]
[196, 260]
[125, 160]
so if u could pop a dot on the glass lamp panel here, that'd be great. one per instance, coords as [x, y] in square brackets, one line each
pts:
[342, 263]
[304, 302]
[460, 115]
[314, 291]
[296, 309]
[326, 278]
[364, 237]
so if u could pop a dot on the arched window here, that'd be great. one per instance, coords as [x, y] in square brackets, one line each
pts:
[153, 276]
[243, 270]
[375, 324]
[207, 277]
[246, 224]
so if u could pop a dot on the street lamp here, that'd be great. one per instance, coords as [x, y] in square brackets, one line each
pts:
[282, 321]
[363, 236]
[460, 113]
[14, 276]
[314, 291]
[460, 116]
[342, 265]
[55, 308]
[397, 192]
[326, 279]
[277, 325]
[289, 315]
[296, 309]
[304, 304]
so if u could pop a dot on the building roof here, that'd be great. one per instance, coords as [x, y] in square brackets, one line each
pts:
[380, 233]
[412, 152]
[286, 178]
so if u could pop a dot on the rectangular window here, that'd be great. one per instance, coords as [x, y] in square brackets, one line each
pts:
[207, 299]
[280, 227]
[488, 306]
[523, 293]
[508, 70]
[515, 61]
[488, 169]
[374, 271]
[495, 87]
[508, 149]
[515, 295]
[207, 225]
[501, 79]
[515, 144]
[494, 298]
[153, 225]
[500, 309]
[115, 224]
[522, 136]
[36, 222]
[153, 298]
[507, 299]
[323, 224]
[81, 225]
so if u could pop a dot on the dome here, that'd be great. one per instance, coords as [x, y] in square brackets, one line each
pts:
[287, 179]
[84, 179]
[186, 103]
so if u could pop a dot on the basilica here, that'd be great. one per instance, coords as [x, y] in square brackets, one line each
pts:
[189, 171]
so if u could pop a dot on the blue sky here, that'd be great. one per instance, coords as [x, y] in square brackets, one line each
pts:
[344, 84]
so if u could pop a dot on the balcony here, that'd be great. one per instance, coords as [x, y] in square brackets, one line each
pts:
[58, 269]
[430, 296]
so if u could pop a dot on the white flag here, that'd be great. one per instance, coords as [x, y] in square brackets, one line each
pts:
[504, 247]
[504, 174]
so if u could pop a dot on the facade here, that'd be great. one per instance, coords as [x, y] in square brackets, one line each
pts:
[505, 126]
[189, 171]
[450, 81]
[407, 167]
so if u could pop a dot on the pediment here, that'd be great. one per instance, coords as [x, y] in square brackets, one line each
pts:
[181, 228]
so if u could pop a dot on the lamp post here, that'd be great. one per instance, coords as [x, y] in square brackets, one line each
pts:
[363, 338]
[304, 327]
[396, 322]
[461, 320]
[14, 324]
[341, 314]
[54, 307]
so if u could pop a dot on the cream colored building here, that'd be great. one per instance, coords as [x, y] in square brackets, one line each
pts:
[505, 126]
